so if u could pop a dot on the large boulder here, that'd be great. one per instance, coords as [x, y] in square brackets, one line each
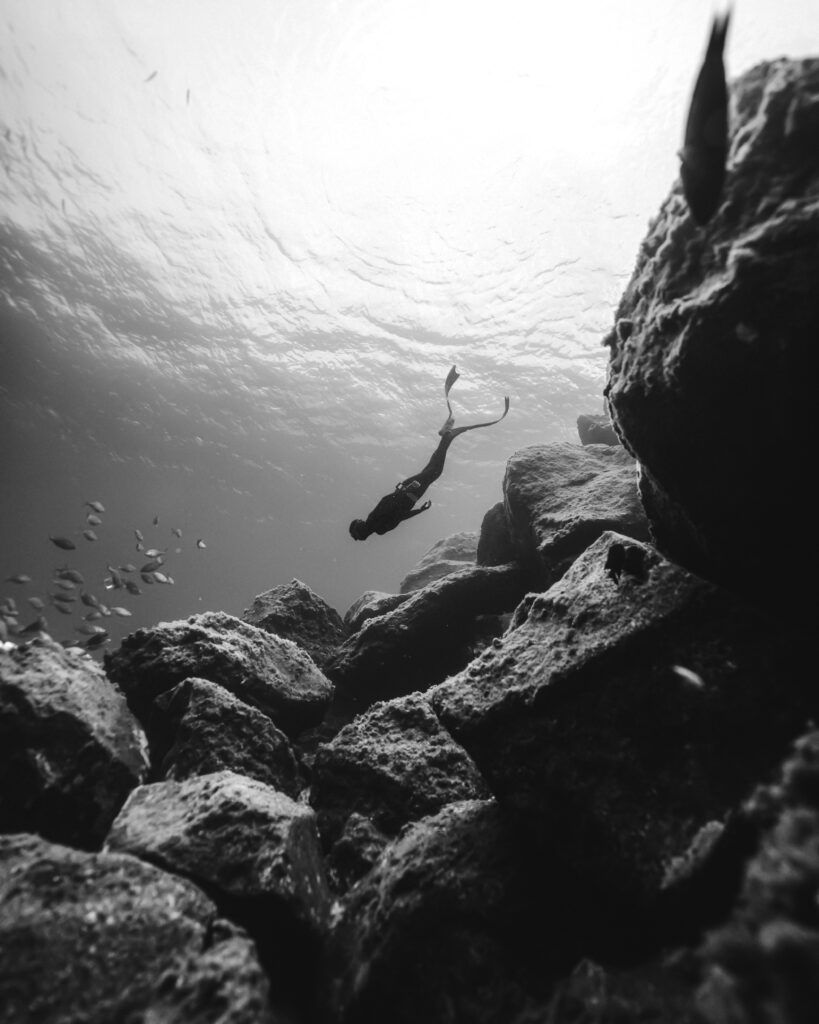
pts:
[104, 937]
[444, 557]
[371, 604]
[767, 953]
[394, 764]
[712, 374]
[625, 709]
[70, 750]
[253, 850]
[266, 671]
[427, 638]
[560, 497]
[596, 430]
[496, 545]
[456, 922]
[200, 728]
[294, 612]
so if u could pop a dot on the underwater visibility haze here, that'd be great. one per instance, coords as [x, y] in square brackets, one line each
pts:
[242, 244]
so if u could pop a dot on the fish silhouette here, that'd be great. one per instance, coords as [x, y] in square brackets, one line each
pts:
[705, 148]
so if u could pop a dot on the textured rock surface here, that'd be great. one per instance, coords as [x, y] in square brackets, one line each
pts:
[70, 750]
[453, 924]
[625, 715]
[712, 374]
[200, 728]
[560, 497]
[444, 557]
[495, 543]
[237, 838]
[294, 612]
[762, 967]
[425, 639]
[266, 671]
[369, 605]
[596, 430]
[99, 938]
[394, 764]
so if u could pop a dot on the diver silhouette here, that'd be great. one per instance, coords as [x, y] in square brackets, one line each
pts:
[396, 507]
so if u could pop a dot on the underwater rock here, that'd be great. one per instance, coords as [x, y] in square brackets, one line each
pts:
[394, 764]
[104, 937]
[658, 992]
[253, 850]
[369, 605]
[355, 852]
[584, 728]
[444, 557]
[495, 543]
[711, 379]
[456, 922]
[427, 638]
[266, 671]
[596, 430]
[560, 497]
[200, 727]
[294, 612]
[767, 954]
[70, 750]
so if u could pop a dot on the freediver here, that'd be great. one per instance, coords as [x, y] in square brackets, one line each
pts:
[396, 507]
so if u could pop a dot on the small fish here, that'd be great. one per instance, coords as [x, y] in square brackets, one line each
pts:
[69, 574]
[97, 506]
[132, 588]
[170, 579]
[152, 565]
[127, 568]
[200, 543]
[705, 148]
[93, 520]
[176, 531]
[37, 603]
[117, 582]
[154, 553]
[89, 535]
[89, 600]
[156, 520]
[147, 577]
[689, 676]
[63, 542]
[63, 609]
[140, 546]
[97, 641]
[64, 584]
[106, 611]
[160, 577]
[93, 615]
[38, 626]
[151, 77]
[122, 612]
[18, 577]
[11, 622]
[138, 535]
[89, 630]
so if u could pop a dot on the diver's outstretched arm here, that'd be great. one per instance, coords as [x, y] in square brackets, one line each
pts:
[417, 511]
[454, 431]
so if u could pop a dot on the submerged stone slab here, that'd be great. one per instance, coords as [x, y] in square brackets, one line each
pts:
[454, 923]
[70, 750]
[560, 497]
[392, 765]
[104, 937]
[235, 837]
[625, 710]
[200, 727]
[427, 637]
[495, 544]
[596, 430]
[369, 605]
[295, 612]
[444, 557]
[265, 671]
